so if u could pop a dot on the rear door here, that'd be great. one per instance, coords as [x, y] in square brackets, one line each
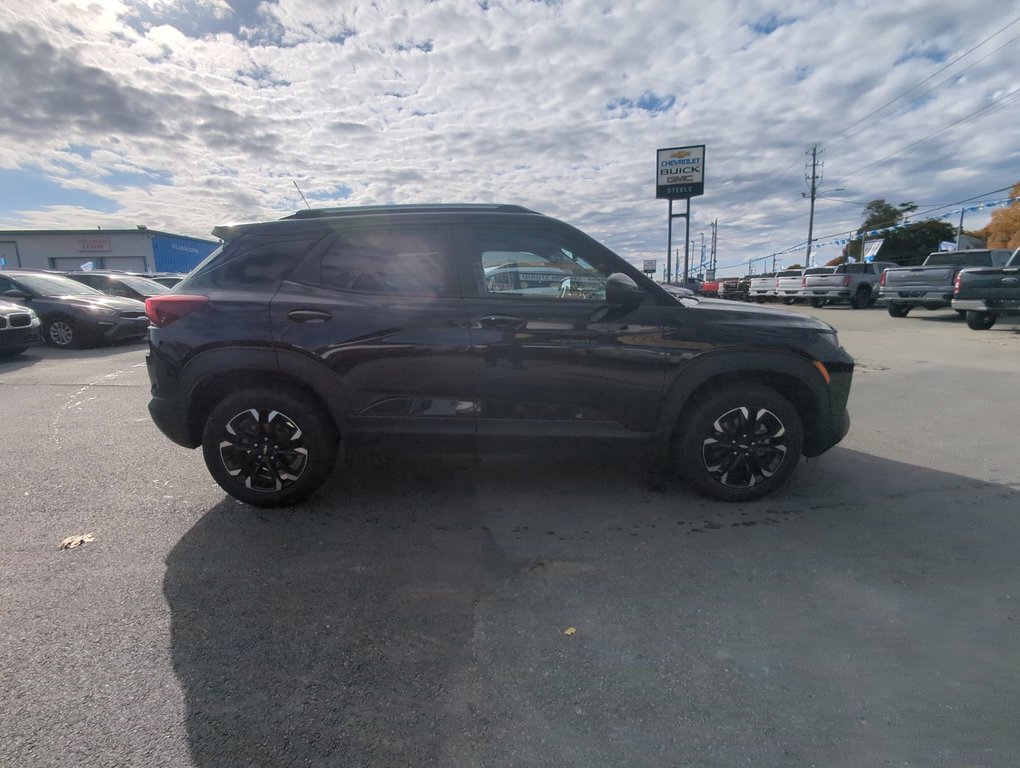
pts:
[380, 306]
[553, 359]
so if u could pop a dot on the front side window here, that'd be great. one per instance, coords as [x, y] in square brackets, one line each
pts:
[536, 265]
[416, 261]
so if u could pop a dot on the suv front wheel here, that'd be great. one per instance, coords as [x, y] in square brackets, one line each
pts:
[740, 443]
[269, 448]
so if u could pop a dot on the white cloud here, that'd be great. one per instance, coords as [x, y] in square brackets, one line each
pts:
[559, 106]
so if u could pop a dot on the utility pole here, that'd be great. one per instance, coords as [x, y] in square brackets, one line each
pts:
[813, 179]
[715, 234]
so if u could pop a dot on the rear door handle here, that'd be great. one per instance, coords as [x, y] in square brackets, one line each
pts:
[501, 321]
[309, 315]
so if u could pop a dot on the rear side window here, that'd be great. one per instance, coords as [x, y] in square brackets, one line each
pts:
[416, 261]
[251, 261]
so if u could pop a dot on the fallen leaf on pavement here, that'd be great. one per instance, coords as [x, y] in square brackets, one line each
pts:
[76, 541]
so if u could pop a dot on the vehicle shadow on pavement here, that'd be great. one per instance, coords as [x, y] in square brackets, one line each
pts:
[401, 618]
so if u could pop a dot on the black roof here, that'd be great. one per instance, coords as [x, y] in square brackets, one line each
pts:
[314, 213]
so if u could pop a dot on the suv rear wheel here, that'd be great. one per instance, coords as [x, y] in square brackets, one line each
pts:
[979, 321]
[739, 444]
[269, 448]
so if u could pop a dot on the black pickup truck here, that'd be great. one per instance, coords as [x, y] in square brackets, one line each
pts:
[984, 293]
[931, 284]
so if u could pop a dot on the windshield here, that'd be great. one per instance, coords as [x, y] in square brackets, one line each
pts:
[56, 285]
[949, 259]
[144, 286]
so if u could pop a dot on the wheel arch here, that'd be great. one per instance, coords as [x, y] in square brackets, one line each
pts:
[217, 373]
[794, 378]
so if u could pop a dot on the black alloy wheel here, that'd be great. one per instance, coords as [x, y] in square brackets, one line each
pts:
[740, 444]
[268, 448]
[979, 321]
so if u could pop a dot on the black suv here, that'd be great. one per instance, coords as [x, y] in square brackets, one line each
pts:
[484, 327]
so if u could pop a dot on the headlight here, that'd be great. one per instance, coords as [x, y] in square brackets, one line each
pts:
[96, 309]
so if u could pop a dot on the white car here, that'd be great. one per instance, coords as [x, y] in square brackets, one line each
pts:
[19, 329]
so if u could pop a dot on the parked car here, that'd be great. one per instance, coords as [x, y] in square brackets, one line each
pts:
[169, 280]
[985, 293]
[788, 284]
[19, 329]
[380, 325]
[854, 283]
[72, 314]
[930, 285]
[733, 288]
[119, 284]
[762, 287]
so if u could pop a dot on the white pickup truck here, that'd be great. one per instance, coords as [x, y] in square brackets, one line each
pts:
[855, 283]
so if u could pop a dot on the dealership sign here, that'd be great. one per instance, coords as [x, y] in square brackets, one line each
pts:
[650, 266]
[680, 172]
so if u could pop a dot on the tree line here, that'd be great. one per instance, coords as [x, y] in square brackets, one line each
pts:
[910, 243]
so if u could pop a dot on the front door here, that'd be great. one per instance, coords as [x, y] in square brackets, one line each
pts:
[551, 357]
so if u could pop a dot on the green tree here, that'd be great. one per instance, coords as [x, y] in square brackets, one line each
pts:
[909, 244]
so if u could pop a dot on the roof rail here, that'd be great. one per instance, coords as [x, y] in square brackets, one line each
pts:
[312, 213]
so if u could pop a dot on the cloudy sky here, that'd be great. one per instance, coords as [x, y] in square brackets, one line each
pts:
[184, 114]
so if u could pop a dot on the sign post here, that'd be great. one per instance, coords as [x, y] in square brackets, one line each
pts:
[679, 175]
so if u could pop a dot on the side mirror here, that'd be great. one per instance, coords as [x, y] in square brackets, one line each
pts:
[621, 290]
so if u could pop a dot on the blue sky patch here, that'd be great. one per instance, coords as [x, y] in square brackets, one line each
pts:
[22, 190]
[766, 25]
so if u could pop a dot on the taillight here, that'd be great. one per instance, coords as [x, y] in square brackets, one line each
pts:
[881, 280]
[803, 282]
[163, 310]
[956, 282]
[846, 281]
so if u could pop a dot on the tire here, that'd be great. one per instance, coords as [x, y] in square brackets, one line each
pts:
[269, 448]
[789, 300]
[979, 321]
[62, 333]
[898, 310]
[818, 303]
[862, 299]
[710, 448]
[760, 299]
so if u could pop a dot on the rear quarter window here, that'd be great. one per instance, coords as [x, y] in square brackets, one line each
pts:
[251, 261]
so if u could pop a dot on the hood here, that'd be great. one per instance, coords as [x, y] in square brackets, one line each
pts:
[119, 303]
[743, 313]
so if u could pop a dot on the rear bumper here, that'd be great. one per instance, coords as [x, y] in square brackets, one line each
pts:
[168, 413]
[825, 293]
[978, 305]
[926, 297]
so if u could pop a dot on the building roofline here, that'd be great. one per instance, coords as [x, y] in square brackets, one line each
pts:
[100, 232]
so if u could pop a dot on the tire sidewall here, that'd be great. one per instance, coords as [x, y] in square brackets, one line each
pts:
[318, 432]
[696, 421]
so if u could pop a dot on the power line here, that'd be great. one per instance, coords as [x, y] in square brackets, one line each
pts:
[933, 75]
[969, 119]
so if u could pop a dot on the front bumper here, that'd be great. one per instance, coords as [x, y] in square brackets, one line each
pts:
[120, 328]
[15, 338]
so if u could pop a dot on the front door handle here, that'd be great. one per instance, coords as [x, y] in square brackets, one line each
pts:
[309, 315]
[501, 321]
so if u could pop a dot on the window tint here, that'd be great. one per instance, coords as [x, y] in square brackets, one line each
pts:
[251, 261]
[537, 265]
[412, 262]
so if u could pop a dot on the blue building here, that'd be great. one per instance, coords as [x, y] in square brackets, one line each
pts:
[131, 250]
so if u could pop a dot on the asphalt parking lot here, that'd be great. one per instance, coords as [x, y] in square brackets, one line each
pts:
[463, 612]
